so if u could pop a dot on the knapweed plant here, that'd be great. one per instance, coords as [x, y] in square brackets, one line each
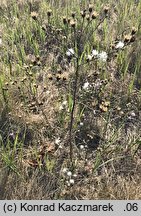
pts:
[83, 49]
[70, 101]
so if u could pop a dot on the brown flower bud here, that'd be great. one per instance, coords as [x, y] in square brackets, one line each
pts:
[49, 13]
[83, 13]
[90, 8]
[88, 17]
[94, 15]
[72, 23]
[132, 39]
[64, 20]
[69, 19]
[73, 14]
[106, 9]
[134, 30]
[127, 38]
[34, 15]
[50, 77]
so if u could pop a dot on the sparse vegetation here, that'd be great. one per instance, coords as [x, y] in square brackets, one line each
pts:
[70, 99]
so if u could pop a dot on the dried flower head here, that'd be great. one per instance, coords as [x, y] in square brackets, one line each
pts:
[106, 9]
[49, 13]
[94, 15]
[83, 13]
[57, 141]
[134, 30]
[69, 19]
[88, 17]
[65, 20]
[50, 77]
[81, 147]
[72, 23]
[65, 169]
[90, 8]
[132, 114]
[127, 38]
[69, 173]
[58, 77]
[70, 52]
[132, 38]
[73, 14]
[119, 45]
[103, 56]
[89, 58]
[94, 53]
[86, 85]
[71, 181]
[34, 15]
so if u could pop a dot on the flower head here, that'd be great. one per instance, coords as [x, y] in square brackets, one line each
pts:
[69, 173]
[86, 85]
[103, 56]
[57, 141]
[89, 58]
[65, 170]
[71, 181]
[119, 45]
[70, 52]
[34, 15]
[94, 15]
[49, 13]
[82, 147]
[63, 105]
[94, 52]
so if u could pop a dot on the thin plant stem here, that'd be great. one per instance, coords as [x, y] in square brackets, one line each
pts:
[72, 110]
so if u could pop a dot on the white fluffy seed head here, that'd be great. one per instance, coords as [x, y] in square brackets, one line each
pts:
[65, 170]
[69, 173]
[57, 141]
[81, 123]
[133, 114]
[103, 56]
[86, 85]
[70, 52]
[71, 181]
[119, 45]
[81, 147]
[94, 52]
